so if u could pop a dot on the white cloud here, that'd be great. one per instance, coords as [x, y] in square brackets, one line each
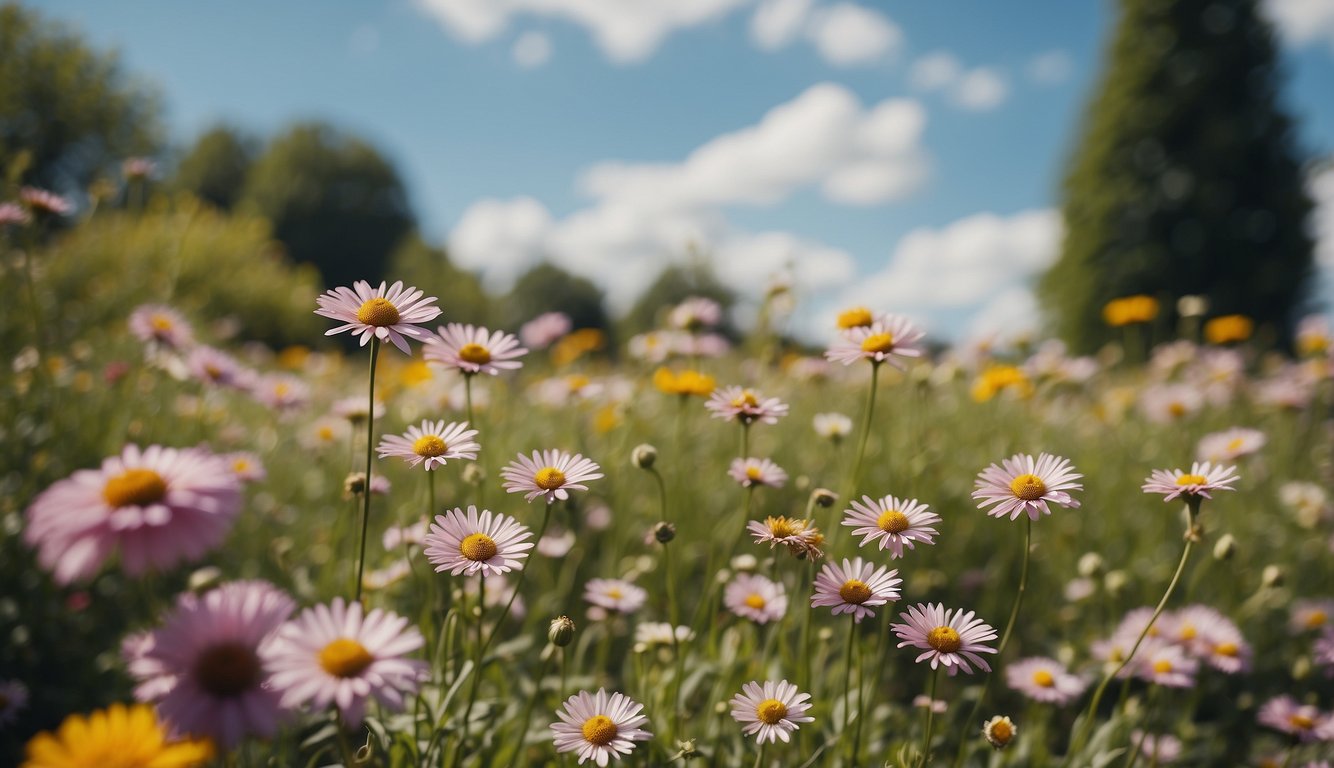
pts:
[776, 23]
[500, 239]
[977, 89]
[626, 30]
[849, 35]
[1012, 313]
[532, 49]
[1051, 67]
[1304, 22]
[934, 71]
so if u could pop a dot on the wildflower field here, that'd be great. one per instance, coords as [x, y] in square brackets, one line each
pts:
[676, 549]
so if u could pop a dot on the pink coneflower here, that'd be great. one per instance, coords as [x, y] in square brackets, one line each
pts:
[855, 587]
[1045, 680]
[388, 315]
[896, 523]
[550, 473]
[615, 594]
[1301, 721]
[158, 506]
[1024, 484]
[755, 597]
[1310, 615]
[695, 313]
[281, 392]
[542, 331]
[599, 727]
[160, 324]
[1230, 444]
[41, 201]
[473, 349]
[770, 711]
[217, 368]
[332, 655]
[1158, 749]
[745, 405]
[471, 543]
[752, 471]
[202, 666]
[13, 698]
[245, 465]
[1165, 664]
[13, 215]
[1202, 478]
[888, 338]
[434, 443]
[952, 638]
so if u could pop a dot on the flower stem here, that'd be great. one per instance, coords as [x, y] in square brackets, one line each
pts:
[847, 677]
[930, 718]
[370, 443]
[759, 758]
[861, 443]
[532, 704]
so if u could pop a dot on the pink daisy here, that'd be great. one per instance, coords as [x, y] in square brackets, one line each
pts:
[1209, 636]
[1311, 614]
[800, 537]
[215, 367]
[1024, 484]
[333, 655]
[543, 331]
[896, 523]
[1323, 649]
[245, 465]
[695, 313]
[752, 471]
[1202, 478]
[471, 543]
[1158, 749]
[473, 349]
[158, 506]
[12, 215]
[1230, 444]
[745, 405]
[281, 392]
[1045, 680]
[551, 473]
[433, 442]
[855, 587]
[160, 324]
[1301, 721]
[599, 727]
[953, 638]
[388, 315]
[772, 711]
[202, 666]
[42, 201]
[1165, 664]
[889, 337]
[754, 597]
[615, 595]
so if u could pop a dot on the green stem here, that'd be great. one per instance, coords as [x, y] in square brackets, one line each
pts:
[847, 677]
[745, 439]
[759, 758]
[477, 666]
[370, 445]
[861, 703]
[861, 445]
[930, 719]
[528, 710]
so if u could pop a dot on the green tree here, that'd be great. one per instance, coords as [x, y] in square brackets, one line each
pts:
[1186, 180]
[66, 108]
[674, 284]
[460, 292]
[334, 201]
[214, 169]
[548, 288]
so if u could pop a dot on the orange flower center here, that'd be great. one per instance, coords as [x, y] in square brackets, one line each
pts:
[599, 730]
[755, 600]
[345, 657]
[478, 547]
[549, 478]
[379, 312]
[475, 354]
[429, 446]
[878, 342]
[1301, 722]
[854, 591]
[1316, 619]
[893, 521]
[228, 669]
[770, 711]
[1227, 649]
[944, 639]
[1028, 487]
[1001, 732]
[1043, 678]
[135, 488]
[1187, 632]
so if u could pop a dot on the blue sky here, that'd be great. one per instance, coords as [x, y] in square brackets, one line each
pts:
[903, 155]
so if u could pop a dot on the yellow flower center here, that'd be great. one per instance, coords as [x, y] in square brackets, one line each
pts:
[893, 521]
[1043, 678]
[161, 323]
[240, 465]
[755, 600]
[878, 342]
[1028, 487]
[345, 657]
[378, 312]
[599, 730]
[1227, 649]
[1176, 408]
[944, 639]
[1192, 480]
[1316, 619]
[770, 711]
[1187, 632]
[1235, 444]
[1301, 722]
[753, 473]
[429, 446]
[856, 317]
[615, 593]
[475, 354]
[782, 527]
[1001, 732]
[228, 669]
[325, 433]
[1162, 666]
[745, 400]
[549, 478]
[854, 591]
[478, 547]
[135, 488]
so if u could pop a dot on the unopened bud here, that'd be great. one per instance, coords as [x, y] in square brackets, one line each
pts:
[1225, 547]
[473, 474]
[1301, 668]
[687, 749]
[745, 562]
[355, 484]
[561, 631]
[1272, 576]
[824, 497]
[1091, 563]
[1115, 581]
[664, 532]
[363, 754]
[644, 456]
[204, 579]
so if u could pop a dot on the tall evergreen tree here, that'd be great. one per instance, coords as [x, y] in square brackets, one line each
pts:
[1187, 180]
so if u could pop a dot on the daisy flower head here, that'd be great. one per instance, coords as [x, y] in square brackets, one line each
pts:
[895, 523]
[802, 539]
[246, 465]
[999, 731]
[855, 587]
[13, 215]
[832, 426]
[336, 655]
[1230, 444]
[755, 597]
[13, 698]
[888, 338]
[745, 405]
[855, 317]
[353, 409]
[1199, 482]
[952, 638]
[1301, 721]
[473, 349]
[1323, 649]
[1158, 749]
[1024, 484]
[1310, 615]
[1045, 680]
[390, 314]
[161, 325]
[615, 595]
[469, 543]
[126, 736]
[202, 666]
[770, 711]
[599, 726]
[543, 331]
[650, 633]
[282, 392]
[1209, 636]
[695, 313]
[157, 506]
[753, 471]
[217, 368]
[550, 473]
[1165, 664]
[433, 443]
[45, 202]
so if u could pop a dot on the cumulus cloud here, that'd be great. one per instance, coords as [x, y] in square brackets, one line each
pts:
[532, 49]
[776, 23]
[1051, 67]
[980, 89]
[844, 34]
[500, 238]
[935, 71]
[1304, 22]
[977, 89]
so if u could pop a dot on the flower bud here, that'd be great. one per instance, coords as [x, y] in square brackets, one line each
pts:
[1272, 576]
[824, 497]
[204, 579]
[355, 484]
[745, 562]
[561, 631]
[644, 456]
[473, 474]
[1090, 563]
[1225, 547]
[1115, 581]
[664, 532]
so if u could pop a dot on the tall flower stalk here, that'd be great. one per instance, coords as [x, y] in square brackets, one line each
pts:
[370, 452]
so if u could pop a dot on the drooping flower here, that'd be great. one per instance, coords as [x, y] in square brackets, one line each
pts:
[599, 726]
[755, 597]
[895, 523]
[120, 735]
[160, 324]
[745, 405]
[156, 506]
[754, 471]
[855, 587]
[469, 543]
[433, 443]
[952, 638]
[1024, 484]
[888, 338]
[771, 711]
[387, 314]
[615, 595]
[550, 473]
[473, 349]
[1202, 479]
[1046, 680]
